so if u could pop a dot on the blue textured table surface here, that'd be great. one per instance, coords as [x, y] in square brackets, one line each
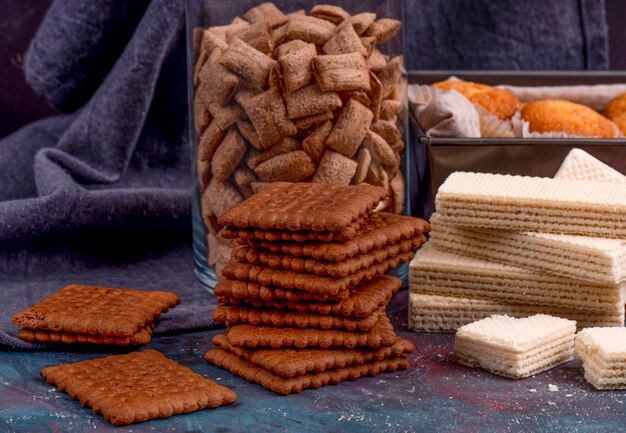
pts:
[434, 394]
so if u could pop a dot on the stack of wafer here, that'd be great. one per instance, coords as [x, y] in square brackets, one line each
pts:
[304, 296]
[516, 348]
[603, 355]
[521, 245]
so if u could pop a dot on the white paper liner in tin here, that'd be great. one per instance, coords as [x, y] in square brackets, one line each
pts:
[421, 94]
[447, 114]
[424, 94]
[492, 126]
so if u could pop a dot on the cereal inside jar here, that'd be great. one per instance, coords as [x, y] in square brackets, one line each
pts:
[304, 96]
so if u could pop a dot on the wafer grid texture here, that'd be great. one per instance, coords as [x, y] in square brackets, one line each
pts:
[578, 257]
[446, 314]
[516, 348]
[579, 165]
[533, 204]
[438, 272]
[603, 355]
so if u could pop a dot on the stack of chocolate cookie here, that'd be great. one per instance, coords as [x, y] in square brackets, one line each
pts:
[304, 296]
[94, 315]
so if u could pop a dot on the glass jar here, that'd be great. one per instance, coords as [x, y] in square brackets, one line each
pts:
[292, 91]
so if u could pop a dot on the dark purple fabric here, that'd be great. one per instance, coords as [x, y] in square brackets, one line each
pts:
[507, 35]
[102, 195]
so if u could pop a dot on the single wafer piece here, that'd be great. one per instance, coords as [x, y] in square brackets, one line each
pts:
[603, 354]
[321, 267]
[533, 204]
[433, 313]
[382, 334]
[579, 165]
[280, 385]
[141, 337]
[363, 301]
[288, 363]
[437, 272]
[380, 230]
[516, 348]
[96, 310]
[583, 258]
[247, 289]
[299, 206]
[310, 282]
[136, 387]
[270, 317]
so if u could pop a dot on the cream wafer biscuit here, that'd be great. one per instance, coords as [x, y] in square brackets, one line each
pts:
[514, 347]
[517, 366]
[363, 301]
[533, 204]
[380, 230]
[437, 272]
[432, 313]
[603, 354]
[323, 267]
[579, 257]
[579, 165]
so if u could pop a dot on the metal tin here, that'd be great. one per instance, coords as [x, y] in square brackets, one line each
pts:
[520, 156]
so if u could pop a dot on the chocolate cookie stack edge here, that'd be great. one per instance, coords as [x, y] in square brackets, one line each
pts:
[95, 315]
[306, 287]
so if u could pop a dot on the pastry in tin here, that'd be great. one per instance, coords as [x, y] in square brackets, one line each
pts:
[499, 102]
[616, 111]
[558, 115]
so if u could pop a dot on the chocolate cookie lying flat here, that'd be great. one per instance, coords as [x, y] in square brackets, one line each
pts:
[137, 387]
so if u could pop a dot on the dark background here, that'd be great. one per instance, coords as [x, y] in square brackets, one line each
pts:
[19, 21]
